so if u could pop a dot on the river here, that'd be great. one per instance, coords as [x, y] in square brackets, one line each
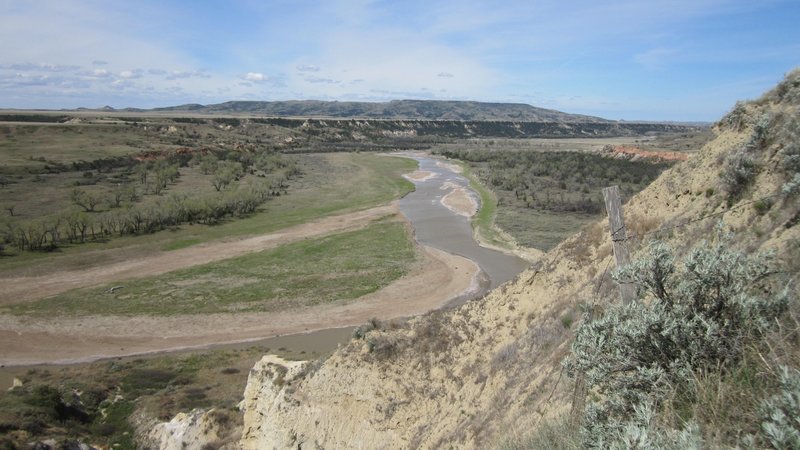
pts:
[434, 225]
[439, 227]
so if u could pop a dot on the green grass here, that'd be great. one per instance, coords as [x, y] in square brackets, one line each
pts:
[22, 145]
[484, 220]
[183, 243]
[331, 184]
[334, 268]
[541, 229]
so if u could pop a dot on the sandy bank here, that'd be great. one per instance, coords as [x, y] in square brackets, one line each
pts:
[419, 175]
[460, 200]
[438, 278]
[18, 289]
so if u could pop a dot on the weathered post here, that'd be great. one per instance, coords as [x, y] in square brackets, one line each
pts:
[627, 291]
[618, 238]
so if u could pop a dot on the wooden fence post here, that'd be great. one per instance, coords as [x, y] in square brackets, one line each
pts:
[626, 290]
[618, 238]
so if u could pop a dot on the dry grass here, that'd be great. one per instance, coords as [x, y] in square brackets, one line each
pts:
[157, 387]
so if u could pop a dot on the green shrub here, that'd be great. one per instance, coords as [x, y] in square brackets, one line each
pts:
[740, 172]
[697, 316]
[372, 324]
[567, 320]
[781, 425]
[791, 156]
[791, 166]
[762, 206]
[792, 186]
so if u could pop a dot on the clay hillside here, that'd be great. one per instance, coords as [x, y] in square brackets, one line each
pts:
[396, 109]
[502, 371]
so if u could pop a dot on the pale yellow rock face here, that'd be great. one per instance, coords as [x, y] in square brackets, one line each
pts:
[186, 430]
[491, 370]
[264, 396]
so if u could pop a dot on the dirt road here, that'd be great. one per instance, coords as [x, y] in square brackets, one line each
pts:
[18, 289]
[436, 279]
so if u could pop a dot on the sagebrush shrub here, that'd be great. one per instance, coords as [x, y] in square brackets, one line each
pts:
[781, 425]
[739, 173]
[697, 315]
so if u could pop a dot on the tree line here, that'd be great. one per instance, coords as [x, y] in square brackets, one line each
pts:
[81, 226]
[126, 215]
[555, 181]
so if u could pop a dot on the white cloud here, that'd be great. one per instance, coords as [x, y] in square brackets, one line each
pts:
[251, 79]
[445, 75]
[183, 74]
[40, 67]
[254, 76]
[307, 68]
[131, 74]
[321, 80]
[97, 73]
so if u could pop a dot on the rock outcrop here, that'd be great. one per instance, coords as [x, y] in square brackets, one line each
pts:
[196, 429]
[479, 374]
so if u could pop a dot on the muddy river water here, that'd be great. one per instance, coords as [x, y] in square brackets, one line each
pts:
[438, 226]
[434, 225]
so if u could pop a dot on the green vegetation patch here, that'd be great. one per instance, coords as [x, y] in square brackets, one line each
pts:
[484, 219]
[666, 369]
[330, 269]
[541, 197]
[540, 229]
[94, 403]
[329, 184]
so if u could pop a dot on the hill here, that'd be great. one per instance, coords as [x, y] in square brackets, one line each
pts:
[396, 109]
[491, 372]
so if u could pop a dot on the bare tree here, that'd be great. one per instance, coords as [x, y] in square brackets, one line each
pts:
[85, 200]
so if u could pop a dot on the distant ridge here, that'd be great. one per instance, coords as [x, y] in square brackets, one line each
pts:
[395, 109]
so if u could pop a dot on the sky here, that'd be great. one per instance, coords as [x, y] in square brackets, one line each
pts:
[682, 60]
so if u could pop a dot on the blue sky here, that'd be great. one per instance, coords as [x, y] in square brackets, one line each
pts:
[619, 59]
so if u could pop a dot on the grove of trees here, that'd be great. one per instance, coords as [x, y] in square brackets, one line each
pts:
[126, 213]
[555, 181]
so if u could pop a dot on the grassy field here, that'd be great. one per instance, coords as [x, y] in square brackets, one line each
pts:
[26, 145]
[540, 229]
[41, 164]
[541, 191]
[330, 184]
[529, 228]
[330, 269]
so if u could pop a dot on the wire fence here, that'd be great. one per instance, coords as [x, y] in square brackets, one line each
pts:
[549, 259]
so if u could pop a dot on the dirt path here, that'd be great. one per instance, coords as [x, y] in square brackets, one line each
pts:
[438, 278]
[18, 289]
